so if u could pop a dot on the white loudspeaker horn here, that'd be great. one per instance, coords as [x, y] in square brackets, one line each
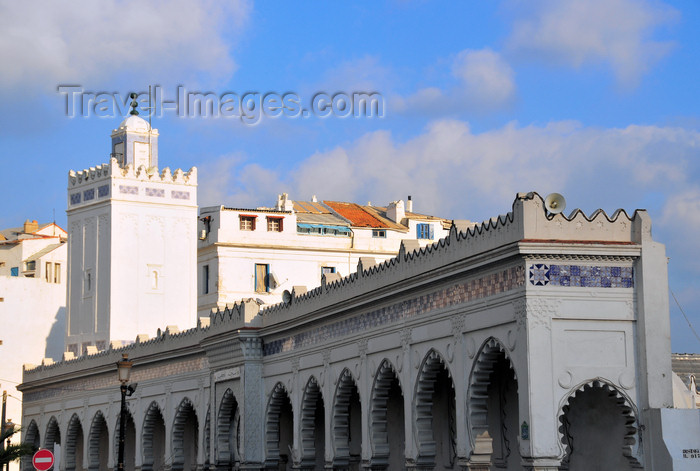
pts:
[554, 203]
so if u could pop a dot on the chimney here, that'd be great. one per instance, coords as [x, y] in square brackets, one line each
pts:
[409, 204]
[284, 203]
[30, 226]
[395, 211]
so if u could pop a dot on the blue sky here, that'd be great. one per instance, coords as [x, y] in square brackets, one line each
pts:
[597, 100]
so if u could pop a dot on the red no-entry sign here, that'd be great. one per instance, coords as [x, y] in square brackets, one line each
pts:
[43, 460]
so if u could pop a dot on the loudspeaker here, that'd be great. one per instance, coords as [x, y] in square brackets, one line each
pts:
[554, 203]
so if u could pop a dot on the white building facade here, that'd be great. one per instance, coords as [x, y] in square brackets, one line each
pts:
[32, 302]
[530, 342]
[261, 253]
[131, 250]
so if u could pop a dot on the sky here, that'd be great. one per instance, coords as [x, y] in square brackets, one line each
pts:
[597, 100]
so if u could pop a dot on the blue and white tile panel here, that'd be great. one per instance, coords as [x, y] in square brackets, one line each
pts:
[583, 276]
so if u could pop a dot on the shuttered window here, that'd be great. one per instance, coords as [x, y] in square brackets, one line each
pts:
[424, 231]
[262, 284]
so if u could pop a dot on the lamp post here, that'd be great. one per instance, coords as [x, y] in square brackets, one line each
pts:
[124, 367]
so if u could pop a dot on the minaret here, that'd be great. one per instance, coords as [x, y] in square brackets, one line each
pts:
[134, 142]
[132, 260]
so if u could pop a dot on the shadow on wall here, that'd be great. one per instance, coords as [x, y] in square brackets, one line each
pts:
[56, 340]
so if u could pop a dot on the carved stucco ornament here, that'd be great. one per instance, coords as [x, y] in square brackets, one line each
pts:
[565, 379]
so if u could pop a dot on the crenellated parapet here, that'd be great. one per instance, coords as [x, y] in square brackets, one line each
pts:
[168, 339]
[110, 180]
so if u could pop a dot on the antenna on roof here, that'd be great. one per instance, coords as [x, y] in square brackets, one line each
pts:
[54, 221]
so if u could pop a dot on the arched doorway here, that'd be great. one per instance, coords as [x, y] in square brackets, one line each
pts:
[434, 412]
[53, 435]
[153, 439]
[387, 420]
[185, 437]
[32, 438]
[493, 407]
[279, 430]
[74, 444]
[347, 423]
[98, 443]
[313, 427]
[599, 430]
[228, 431]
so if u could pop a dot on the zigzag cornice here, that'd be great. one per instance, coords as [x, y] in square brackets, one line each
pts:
[527, 220]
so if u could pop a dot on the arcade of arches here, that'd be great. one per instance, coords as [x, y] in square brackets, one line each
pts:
[330, 432]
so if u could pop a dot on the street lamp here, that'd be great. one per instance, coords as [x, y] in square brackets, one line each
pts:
[124, 367]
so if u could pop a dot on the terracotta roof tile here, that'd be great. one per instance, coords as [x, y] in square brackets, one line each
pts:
[354, 213]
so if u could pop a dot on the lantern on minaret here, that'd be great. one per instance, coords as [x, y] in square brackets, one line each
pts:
[134, 142]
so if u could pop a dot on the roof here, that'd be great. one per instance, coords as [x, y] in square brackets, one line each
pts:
[325, 219]
[311, 207]
[256, 210]
[446, 223]
[356, 214]
[14, 232]
[44, 251]
[686, 364]
[381, 215]
[135, 123]
[313, 212]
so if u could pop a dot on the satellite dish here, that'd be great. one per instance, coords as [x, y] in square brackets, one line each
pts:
[286, 296]
[554, 203]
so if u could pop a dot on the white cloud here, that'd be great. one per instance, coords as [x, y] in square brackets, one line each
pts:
[486, 76]
[47, 43]
[452, 171]
[485, 82]
[230, 181]
[681, 215]
[575, 33]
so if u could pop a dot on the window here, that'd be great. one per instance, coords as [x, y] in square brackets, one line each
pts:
[379, 233]
[88, 281]
[262, 278]
[56, 272]
[154, 279]
[326, 270]
[205, 279]
[274, 224]
[309, 229]
[247, 223]
[48, 273]
[14, 271]
[30, 266]
[424, 231]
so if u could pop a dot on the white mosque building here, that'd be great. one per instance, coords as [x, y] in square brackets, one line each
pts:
[533, 341]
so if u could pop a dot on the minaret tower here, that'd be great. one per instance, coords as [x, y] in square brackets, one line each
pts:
[132, 260]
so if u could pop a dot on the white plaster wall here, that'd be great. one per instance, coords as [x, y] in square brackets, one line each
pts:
[147, 237]
[32, 322]
[232, 271]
